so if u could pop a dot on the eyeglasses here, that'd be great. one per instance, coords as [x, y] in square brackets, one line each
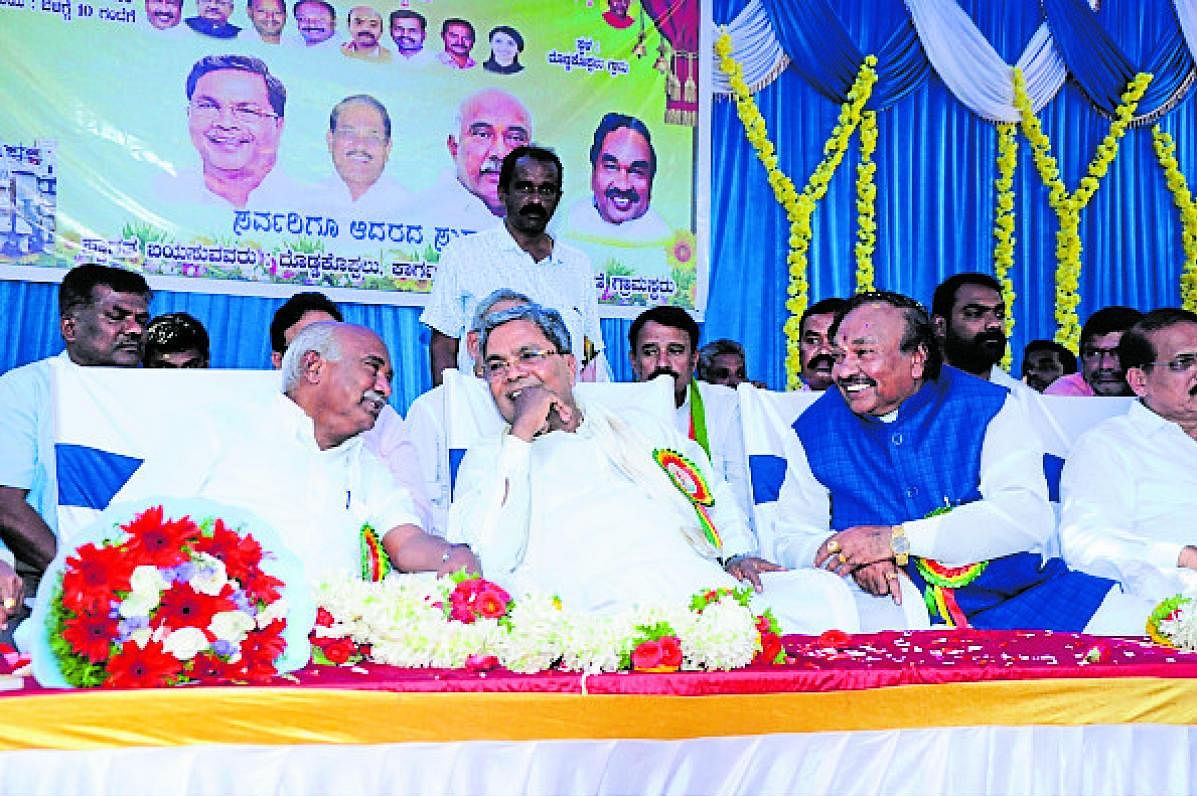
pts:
[371, 136]
[1181, 363]
[207, 110]
[496, 368]
[1088, 352]
[543, 191]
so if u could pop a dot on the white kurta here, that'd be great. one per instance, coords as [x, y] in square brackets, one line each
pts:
[316, 500]
[560, 515]
[1129, 494]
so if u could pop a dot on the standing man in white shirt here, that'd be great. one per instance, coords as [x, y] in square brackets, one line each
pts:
[520, 255]
[1129, 486]
[664, 341]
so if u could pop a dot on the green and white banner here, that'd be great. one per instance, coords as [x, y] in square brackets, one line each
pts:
[242, 148]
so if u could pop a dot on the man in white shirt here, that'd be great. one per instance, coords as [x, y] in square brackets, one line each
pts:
[664, 341]
[103, 312]
[911, 463]
[969, 314]
[520, 255]
[388, 439]
[1129, 486]
[308, 473]
[603, 510]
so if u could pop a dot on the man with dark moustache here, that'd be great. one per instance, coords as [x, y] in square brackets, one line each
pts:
[520, 255]
[814, 343]
[968, 313]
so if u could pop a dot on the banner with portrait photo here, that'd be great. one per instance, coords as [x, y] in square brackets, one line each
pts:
[185, 143]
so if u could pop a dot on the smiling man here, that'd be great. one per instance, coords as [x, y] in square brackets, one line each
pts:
[102, 316]
[213, 19]
[408, 31]
[359, 141]
[639, 539]
[623, 165]
[164, 14]
[520, 255]
[458, 37]
[235, 119]
[365, 36]
[908, 463]
[1128, 488]
[306, 470]
[268, 18]
[315, 20]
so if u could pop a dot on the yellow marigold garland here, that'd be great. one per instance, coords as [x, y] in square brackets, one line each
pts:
[799, 207]
[866, 203]
[1165, 153]
[1003, 224]
[1068, 206]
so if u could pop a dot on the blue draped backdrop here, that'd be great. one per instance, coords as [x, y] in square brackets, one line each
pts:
[935, 171]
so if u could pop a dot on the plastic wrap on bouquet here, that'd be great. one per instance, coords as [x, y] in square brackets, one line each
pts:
[168, 591]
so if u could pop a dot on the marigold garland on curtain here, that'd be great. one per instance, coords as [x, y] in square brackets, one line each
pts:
[866, 203]
[1068, 206]
[1003, 224]
[1165, 152]
[799, 207]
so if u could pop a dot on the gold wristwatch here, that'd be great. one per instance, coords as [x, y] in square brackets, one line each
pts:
[899, 544]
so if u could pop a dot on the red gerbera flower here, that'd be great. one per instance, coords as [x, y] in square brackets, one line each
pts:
[91, 635]
[209, 667]
[239, 554]
[260, 650]
[260, 586]
[183, 606]
[159, 541]
[92, 575]
[671, 651]
[135, 667]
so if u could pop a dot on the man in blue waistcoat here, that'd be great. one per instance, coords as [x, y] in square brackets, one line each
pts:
[913, 465]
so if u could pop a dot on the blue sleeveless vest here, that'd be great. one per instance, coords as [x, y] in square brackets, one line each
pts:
[881, 473]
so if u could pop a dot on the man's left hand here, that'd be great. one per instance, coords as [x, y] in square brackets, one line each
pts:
[855, 547]
[749, 568]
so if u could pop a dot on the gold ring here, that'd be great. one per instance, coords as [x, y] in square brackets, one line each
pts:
[891, 575]
[833, 546]
[9, 603]
[843, 558]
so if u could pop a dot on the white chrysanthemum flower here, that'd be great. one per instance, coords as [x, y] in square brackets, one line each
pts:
[210, 575]
[723, 636]
[231, 626]
[185, 643]
[147, 579]
[138, 603]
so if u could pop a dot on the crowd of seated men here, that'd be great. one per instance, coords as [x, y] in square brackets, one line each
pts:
[916, 471]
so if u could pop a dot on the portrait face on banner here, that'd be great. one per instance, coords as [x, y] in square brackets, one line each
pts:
[163, 14]
[315, 21]
[360, 145]
[268, 17]
[233, 128]
[492, 123]
[622, 179]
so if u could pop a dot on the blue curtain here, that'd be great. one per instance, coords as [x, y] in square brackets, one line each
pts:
[934, 210]
[935, 171]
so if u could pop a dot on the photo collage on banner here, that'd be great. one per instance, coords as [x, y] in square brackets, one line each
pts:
[252, 146]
